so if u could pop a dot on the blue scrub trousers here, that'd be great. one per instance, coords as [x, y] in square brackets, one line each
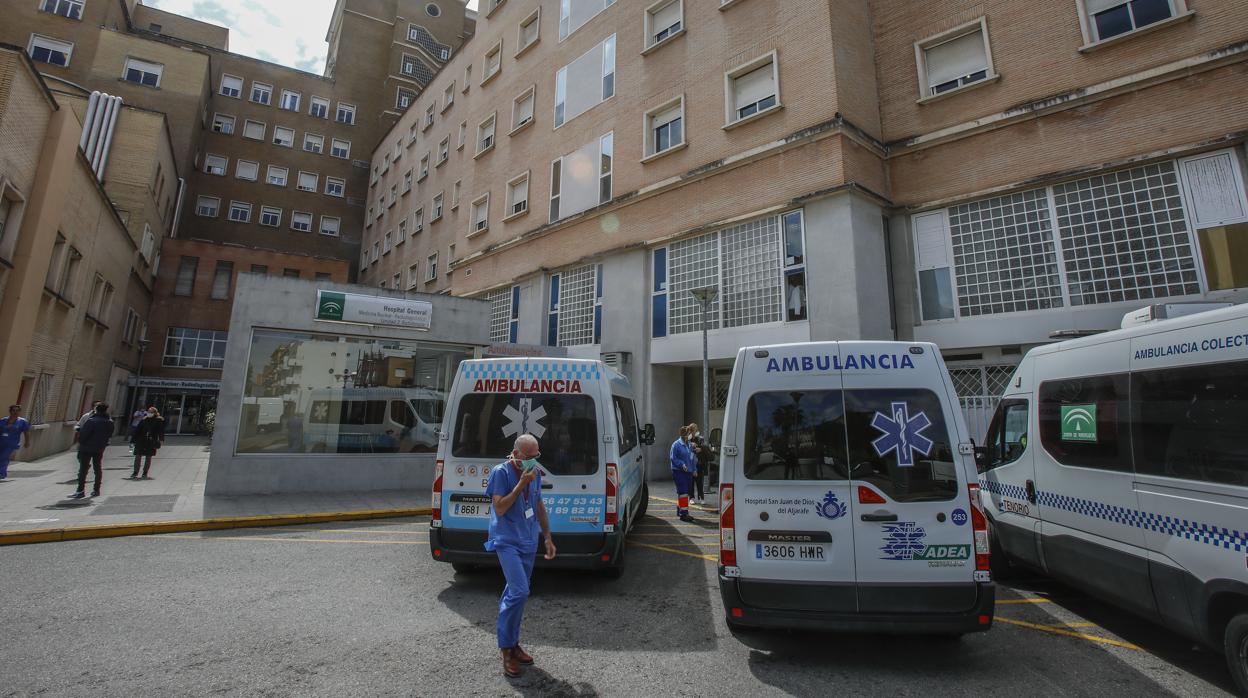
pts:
[518, 569]
[684, 483]
[4, 462]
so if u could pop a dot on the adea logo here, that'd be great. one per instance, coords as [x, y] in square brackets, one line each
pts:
[944, 552]
[330, 305]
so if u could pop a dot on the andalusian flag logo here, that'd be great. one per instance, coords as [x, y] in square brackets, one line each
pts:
[1078, 422]
[329, 305]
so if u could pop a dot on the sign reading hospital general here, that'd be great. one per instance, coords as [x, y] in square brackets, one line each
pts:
[373, 310]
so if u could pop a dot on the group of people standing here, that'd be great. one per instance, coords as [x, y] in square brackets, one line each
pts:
[95, 428]
[690, 458]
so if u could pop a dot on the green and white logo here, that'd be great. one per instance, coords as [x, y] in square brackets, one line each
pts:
[329, 305]
[1079, 423]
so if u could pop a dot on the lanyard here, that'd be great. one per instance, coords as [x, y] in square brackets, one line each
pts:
[525, 491]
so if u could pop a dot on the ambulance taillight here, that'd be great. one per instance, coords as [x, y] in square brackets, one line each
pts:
[727, 528]
[437, 494]
[613, 492]
[979, 524]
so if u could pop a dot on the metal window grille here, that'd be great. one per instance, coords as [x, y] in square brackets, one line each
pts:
[576, 306]
[422, 37]
[1004, 255]
[41, 402]
[997, 378]
[751, 273]
[981, 381]
[500, 314]
[967, 381]
[1125, 236]
[693, 263]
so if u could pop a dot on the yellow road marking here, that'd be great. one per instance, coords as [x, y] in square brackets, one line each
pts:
[1029, 600]
[675, 535]
[295, 540]
[1068, 633]
[666, 549]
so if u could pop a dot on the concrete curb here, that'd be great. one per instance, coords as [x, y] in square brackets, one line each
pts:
[50, 535]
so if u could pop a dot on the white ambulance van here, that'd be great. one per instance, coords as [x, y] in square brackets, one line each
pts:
[593, 473]
[1118, 463]
[848, 498]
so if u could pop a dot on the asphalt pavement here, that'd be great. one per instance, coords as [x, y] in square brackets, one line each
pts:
[360, 609]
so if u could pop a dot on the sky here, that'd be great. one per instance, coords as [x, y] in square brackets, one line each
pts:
[289, 32]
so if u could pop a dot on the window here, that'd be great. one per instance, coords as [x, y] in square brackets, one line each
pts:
[207, 206]
[437, 208]
[65, 8]
[216, 165]
[376, 251]
[313, 143]
[665, 127]
[323, 276]
[307, 181]
[431, 267]
[424, 167]
[485, 135]
[573, 315]
[529, 31]
[795, 436]
[407, 65]
[340, 148]
[277, 175]
[574, 14]
[253, 130]
[954, 59]
[752, 89]
[463, 135]
[301, 221]
[1007, 434]
[222, 123]
[556, 186]
[289, 101]
[1109, 18]
[792, 224]
[663, 22]
[522, 109]
[63, 268]
[1186, 422]
[387, 243]
[585, 82]
[413, 275]
[319, 108]
[130, 329]
[232, 86]
[455, 194]
[492, 64]
[427, 121]
[606, 150]
[221, 279]
[261, 269]
[394, 194]
[335, 186]
[270, 216]
[330, 225]
[290, 273]
[404, 98]
[345, 113]
[448, 96]
[184, 285]
[192, 348]
[518, 196]
[246, 169]
[45, 49]
[240, 212]
[402, 232]
[284, 136]
[1084, 421]
[480, 215]
[261, 93]
[467, 78]
[444, 149]
[149, 74]
[504, 304]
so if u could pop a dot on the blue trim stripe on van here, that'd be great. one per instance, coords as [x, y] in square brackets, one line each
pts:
[1219, 537]
[534, 370]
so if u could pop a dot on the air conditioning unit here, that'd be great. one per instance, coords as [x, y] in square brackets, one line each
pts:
[616, 359]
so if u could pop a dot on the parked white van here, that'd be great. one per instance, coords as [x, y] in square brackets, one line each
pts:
[848, 498]
[593, 473]
[1119, 463]
[372, 420]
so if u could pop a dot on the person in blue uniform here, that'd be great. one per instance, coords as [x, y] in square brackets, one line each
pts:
[683, 467]
[14, 434]
[517, 518]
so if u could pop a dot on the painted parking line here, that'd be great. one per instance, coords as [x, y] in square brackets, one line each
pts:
[1058, 630]
[1024, 600]
[674, 551]
[293, 540]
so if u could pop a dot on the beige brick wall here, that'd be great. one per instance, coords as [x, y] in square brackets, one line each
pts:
[24, 112]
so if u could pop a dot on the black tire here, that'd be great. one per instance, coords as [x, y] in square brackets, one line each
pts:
[998, 560]
[463, 567]
[645, 501]
[1235, 644]
[616, 570]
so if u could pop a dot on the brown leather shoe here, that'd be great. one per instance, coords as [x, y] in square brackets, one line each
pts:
[521, 656]
[511, 669]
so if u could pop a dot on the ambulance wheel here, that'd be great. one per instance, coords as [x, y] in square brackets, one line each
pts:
[463, 567]
[645, 501]
[1236, 646]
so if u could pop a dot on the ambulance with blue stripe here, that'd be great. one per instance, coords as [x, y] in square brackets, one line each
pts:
[1118, 463]
[848, 498]
[584, 416]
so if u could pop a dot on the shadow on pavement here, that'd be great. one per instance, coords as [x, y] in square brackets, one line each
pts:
[538, 682]
[660, 592]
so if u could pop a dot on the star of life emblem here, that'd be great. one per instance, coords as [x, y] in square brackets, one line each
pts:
[523, 419]
[902, 434]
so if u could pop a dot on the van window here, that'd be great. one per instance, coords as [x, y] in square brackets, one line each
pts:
[1007, 435]
[348, 412]
[795, 436]
[626, 422]
[1188, 422]
[899, 442]
[566, 427]
[1083, 421]
[401, 414]
[429, 411]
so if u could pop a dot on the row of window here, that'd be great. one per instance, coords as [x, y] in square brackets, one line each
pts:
[414, 277]
[270, 216]
[289, 100]
[275, 175]
[62, 279]
[283, 136]
[222, 277]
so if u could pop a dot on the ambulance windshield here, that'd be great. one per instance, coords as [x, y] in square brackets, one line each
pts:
[566, 427]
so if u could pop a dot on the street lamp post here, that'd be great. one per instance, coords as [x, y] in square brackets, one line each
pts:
[705, 297]
[138, 378]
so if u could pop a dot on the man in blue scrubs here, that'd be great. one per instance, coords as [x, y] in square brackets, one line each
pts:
[516, 518]
[13, 429]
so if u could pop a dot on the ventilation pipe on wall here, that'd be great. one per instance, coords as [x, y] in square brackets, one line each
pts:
[97, 132]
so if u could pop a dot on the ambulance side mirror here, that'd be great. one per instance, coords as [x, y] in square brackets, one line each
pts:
[981, 458]
[647, 435]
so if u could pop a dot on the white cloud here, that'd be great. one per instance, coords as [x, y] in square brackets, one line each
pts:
[289, 32]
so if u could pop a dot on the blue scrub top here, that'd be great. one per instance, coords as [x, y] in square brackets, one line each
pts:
[11, 434]
[513, 528]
